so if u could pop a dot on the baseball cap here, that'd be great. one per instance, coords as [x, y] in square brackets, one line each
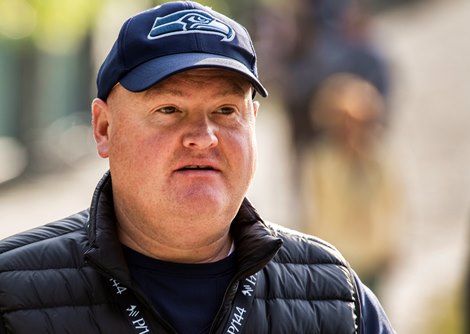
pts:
[174, 37]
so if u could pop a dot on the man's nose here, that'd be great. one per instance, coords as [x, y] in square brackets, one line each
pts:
[201, 133]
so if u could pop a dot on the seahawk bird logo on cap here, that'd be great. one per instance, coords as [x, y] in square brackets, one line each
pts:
[189, 22]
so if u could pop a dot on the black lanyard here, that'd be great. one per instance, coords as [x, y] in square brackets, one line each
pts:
[243, 301]
[130, 307]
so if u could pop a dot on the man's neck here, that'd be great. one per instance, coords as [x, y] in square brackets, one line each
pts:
[179, 251]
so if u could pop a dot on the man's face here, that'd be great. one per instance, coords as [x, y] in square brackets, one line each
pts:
[184, 148]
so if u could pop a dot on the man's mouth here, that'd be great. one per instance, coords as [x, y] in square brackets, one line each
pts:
[196, 167]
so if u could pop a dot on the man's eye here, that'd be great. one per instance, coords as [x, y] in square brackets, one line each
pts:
[226, 110]
[167, 110]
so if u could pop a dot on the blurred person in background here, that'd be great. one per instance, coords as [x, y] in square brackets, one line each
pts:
[347, 183]
[170, 244]
[351, 191]
[319, 38]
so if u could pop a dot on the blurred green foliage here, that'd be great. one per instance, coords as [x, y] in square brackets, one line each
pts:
[449, 314]
[59, 26]
[54, 26]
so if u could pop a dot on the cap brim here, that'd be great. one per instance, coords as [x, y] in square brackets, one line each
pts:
[149, 73]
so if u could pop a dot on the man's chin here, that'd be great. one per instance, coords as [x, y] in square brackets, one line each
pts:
[203, 201]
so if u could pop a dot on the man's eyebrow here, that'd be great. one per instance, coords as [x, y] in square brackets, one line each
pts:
[234, 89]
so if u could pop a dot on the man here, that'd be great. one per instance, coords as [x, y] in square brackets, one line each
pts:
[170, 244]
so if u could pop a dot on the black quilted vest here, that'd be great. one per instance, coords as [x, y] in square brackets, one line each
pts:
[56, 279]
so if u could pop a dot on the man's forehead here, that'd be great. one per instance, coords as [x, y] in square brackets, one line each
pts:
[228, 80]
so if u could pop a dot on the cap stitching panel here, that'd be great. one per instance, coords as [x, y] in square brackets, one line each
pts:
[121, 45]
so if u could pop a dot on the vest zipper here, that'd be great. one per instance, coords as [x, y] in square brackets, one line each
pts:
[216, 323]
[233, 286]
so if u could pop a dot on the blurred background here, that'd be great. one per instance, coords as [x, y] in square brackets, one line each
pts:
[363, 141]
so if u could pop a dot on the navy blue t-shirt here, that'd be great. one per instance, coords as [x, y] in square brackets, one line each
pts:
[188, 296]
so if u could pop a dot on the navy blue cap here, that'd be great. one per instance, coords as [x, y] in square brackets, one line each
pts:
[172, 38]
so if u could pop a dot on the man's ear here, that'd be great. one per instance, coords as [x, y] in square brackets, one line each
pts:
[101, 126]
[255, 107]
